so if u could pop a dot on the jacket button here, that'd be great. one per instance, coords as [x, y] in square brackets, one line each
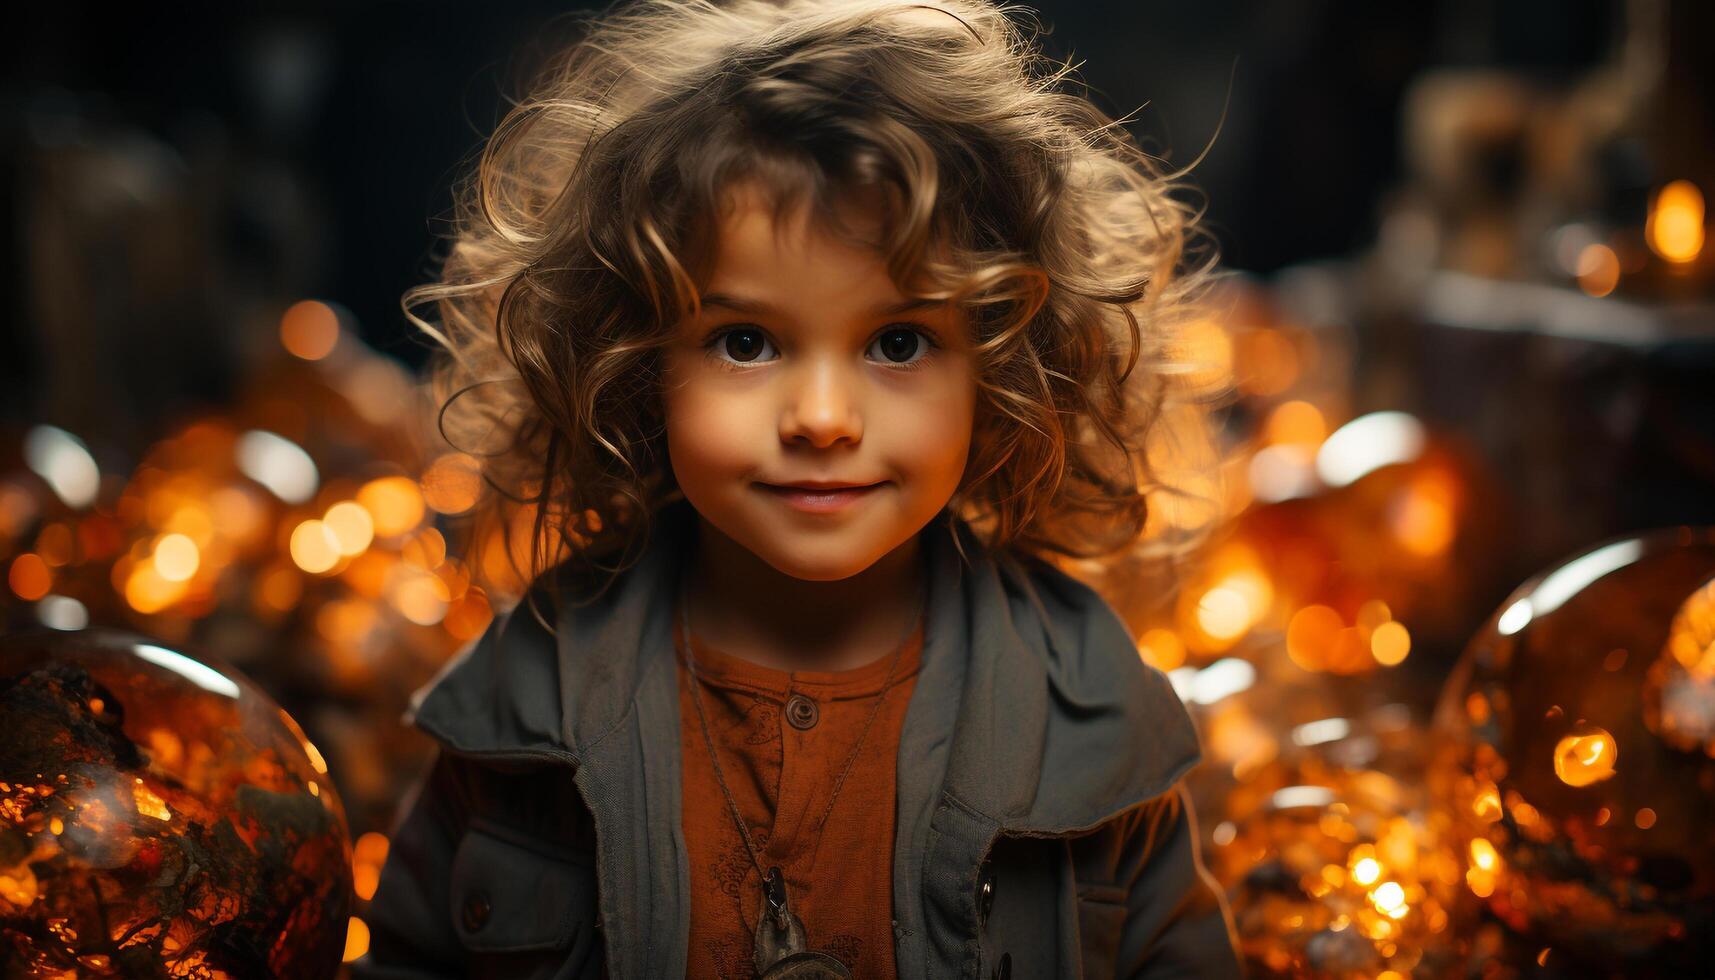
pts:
[985, 895]
[476, 910]
[1003, 969]
[801, 712]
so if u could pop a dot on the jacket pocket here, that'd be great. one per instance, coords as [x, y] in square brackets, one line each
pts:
[522, 907]
[1101, 923]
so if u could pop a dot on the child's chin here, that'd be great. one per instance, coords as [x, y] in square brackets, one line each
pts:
[820, 562]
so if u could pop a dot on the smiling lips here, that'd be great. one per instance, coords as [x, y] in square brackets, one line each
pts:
[820, 499]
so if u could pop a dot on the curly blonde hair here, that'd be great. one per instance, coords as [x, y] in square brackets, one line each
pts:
[582, 235]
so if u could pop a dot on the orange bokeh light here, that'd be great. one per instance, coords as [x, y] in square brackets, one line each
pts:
[30, 577]
[309, 330]
[395, 503]
[453, 483]
[1586, 756]
[1675, 225]
[314, 547]
[1598, 269]
[1162, 649]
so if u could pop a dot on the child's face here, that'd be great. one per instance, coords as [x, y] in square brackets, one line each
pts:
[814, 380]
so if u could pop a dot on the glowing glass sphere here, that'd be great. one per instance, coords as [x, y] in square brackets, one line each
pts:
[160, 817]
[1577, 758]
[1334, 864]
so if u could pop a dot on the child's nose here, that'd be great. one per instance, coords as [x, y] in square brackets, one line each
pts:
[821, 407]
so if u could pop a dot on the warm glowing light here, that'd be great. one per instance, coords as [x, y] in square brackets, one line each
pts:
[1372, 614]
[1691, 637]
[314, 548]
[241, 513]
[1585, 757]
[1675, 225]
[1162, 649]
[148, 804]
[1390, 643]
[176, 557]
[1216, 617]
[1296, 423]
[351, 527]
[371, 848]
[1487, 804]
[1484, 856]
[1311, 635]
[1598, 269]
[365, 878]
[356, 939]
[1203, 355]
[420, 597]
[1389, 898]
[1222, 613]
[30, 577]
[469, 616]
[1423, 519]
[148, 592]
[369, 853]
[1645, 818]
[426, 550]
[394, 502]
[1366, 871]
[279, 588]
[309, 330]
[452, 483]
[56, 545]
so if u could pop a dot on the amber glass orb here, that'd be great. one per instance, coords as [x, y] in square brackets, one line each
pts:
[1334, 864]
[160, 817]
[1576, 759]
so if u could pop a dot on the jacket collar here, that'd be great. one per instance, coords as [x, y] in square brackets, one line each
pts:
[1056, 728]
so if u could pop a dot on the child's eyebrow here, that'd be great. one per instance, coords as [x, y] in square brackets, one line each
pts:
[740, 304]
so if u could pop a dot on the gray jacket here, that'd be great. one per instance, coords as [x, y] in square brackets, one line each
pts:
[1040, 829]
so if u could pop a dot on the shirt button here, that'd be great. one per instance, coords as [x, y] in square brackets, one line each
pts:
[476, 910]
[801, 712]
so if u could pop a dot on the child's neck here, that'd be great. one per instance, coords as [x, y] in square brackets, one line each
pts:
[747, 608]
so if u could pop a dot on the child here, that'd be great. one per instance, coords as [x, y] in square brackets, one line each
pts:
[815, 325]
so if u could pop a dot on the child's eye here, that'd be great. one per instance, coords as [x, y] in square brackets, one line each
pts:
[744, 345]
[901, 345]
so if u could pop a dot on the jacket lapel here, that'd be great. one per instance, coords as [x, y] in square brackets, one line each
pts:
[1056, 729]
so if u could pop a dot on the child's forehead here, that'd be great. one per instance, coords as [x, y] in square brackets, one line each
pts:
[755, 229]
[749, 208]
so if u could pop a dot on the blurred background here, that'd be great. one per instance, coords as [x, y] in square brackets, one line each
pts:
[1469, 343]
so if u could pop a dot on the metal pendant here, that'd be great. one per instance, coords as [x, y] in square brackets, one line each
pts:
[782, 951]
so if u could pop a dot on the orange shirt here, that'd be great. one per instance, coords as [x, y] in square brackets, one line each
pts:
[783, 738]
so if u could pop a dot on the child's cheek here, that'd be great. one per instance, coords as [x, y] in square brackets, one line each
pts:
[714, 435]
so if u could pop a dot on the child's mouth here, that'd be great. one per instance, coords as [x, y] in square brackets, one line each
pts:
[824, 500]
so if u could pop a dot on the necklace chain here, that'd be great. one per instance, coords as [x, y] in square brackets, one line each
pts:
[703, 721]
